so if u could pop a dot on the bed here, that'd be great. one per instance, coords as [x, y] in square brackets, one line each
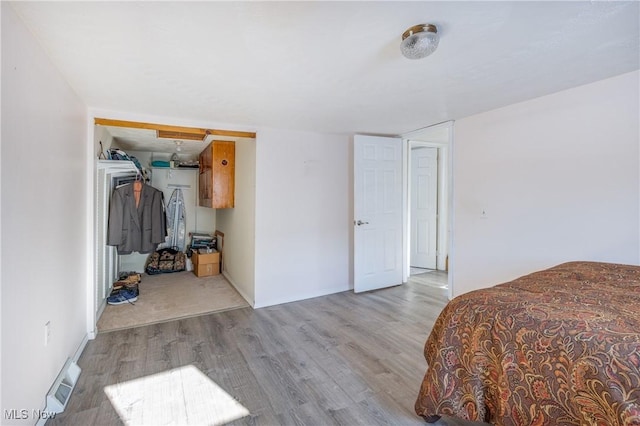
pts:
[559, 346]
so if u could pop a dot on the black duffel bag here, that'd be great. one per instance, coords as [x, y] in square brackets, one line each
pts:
[166, 260]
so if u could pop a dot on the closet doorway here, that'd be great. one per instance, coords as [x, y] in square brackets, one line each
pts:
[168, 157]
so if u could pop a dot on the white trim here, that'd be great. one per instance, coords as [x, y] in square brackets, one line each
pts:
[90, 250]
[421, 131]
[450, 216]
[245, 296]
[406, 164]
[310, 295]
[83, 344]
[443, 207]
[76, 356]
[174, 121]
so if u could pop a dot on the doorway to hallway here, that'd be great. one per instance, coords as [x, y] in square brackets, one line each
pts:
[427, 221]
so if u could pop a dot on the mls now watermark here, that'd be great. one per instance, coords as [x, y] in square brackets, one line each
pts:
[24, 414]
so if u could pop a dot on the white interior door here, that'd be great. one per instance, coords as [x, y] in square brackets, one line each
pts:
[424, 207]
[377, 212]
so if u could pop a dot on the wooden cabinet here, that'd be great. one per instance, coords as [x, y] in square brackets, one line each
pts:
[217, 175]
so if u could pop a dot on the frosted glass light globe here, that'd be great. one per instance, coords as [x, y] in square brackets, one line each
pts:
[419, 41]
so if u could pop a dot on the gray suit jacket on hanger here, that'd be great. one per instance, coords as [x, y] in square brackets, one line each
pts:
[139, 228]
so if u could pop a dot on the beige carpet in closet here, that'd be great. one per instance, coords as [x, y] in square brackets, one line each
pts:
[166, 297]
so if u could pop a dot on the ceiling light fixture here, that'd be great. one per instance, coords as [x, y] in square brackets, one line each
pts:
[419, 41]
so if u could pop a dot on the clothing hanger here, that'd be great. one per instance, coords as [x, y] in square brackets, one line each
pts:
[137, 188]
[101, 156]
[137, 184]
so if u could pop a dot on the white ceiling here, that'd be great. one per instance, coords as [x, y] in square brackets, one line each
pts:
[329, 66]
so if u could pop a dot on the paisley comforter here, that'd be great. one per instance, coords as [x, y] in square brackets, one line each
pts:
[559, 346]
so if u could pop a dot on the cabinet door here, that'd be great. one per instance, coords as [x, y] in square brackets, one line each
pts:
[217, 175]
[224, 171]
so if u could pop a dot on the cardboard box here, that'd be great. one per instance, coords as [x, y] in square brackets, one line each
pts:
[206, 269]
[206, 264]
[204, 258]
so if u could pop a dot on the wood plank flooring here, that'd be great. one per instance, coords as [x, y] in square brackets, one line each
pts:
[343, 359]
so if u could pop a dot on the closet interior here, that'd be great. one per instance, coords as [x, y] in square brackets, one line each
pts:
[159, 254]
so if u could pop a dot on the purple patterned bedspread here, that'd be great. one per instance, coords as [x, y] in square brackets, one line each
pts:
[556, 347]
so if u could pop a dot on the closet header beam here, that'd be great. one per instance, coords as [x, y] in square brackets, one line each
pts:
[174, 129]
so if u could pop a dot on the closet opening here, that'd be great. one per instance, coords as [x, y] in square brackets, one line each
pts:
[175, 170]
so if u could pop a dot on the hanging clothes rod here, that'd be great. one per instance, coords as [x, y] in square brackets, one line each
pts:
[178, 186]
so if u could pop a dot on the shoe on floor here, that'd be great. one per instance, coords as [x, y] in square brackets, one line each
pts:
[134, 288]
[123, 296]
[130, 277]
[119, 286]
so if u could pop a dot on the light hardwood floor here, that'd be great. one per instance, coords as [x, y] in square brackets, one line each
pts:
[340, 359]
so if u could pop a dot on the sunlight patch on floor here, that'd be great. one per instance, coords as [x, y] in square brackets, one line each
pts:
[182, 396]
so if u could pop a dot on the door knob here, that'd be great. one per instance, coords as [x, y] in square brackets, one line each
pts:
[359, 223]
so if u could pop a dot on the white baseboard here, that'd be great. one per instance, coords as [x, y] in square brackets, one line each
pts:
[246, 297]
[43, 420]
[303, 295]
[83, 344]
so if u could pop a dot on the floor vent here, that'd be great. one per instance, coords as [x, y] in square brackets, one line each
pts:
[60, 392]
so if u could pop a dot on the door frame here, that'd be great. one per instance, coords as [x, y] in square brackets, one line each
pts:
[437, 136]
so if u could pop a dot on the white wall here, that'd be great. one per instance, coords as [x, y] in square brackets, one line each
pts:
[197, 219]
[302, 215]
[101, 135]
[44, 223]
[558, 177]
[238, 223]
